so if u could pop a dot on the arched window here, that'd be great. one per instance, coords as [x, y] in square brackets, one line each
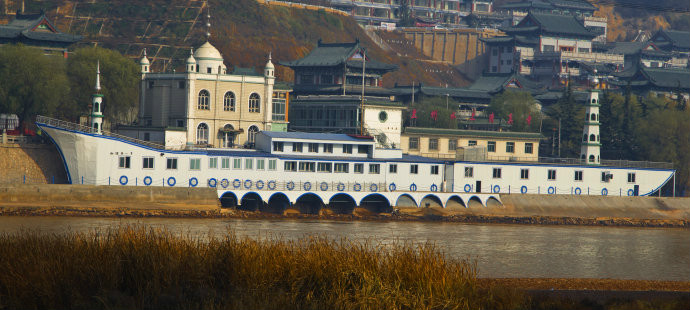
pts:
[228, 135]
[202, 134]
[584, 138]
[591, 158]
[254, 103]
[204, 97]
[594, 117]
[594, 101]
[583, 157]
[251, 135]
[592, 137]
[229, 101]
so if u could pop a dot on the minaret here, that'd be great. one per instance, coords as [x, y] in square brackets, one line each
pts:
[269, 82]
[97, 101]
[145, 65]
[591, 142]
[191, 62]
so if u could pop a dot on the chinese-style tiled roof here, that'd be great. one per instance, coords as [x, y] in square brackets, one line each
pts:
[551, 23]
[655, 77]
[24, 26]
[496, 82]
[549, 5]
[335, 54]
[574, 4]
[678, 39]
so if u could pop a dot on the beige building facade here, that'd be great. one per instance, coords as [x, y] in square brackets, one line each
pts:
[212, 108]
[454, 143]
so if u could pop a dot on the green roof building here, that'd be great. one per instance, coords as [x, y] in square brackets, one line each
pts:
[36, 30]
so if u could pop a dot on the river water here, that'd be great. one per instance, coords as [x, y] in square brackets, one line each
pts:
[499, 250]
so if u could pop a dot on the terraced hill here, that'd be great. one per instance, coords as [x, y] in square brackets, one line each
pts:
[245, 31]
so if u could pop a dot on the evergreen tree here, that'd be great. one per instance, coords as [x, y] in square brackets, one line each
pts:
[571, 117]
[405, 14]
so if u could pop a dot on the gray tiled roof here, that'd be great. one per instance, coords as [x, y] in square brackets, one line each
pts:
[551, 23]
[680, 39]
[335, 54]
[23, 24]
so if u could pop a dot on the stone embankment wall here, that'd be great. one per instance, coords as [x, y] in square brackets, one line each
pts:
[30, 163]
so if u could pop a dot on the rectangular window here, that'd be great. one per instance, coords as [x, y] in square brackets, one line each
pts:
[414, 143]
[248, 163]
[180, 84]
[341, 168]
[297, 147]
[277, 146]
[393, 168]
[272, 164]
[324, 167]
[472, 143]
[195, 164]
[225, 163]
[529, 148]
[148, 163]
[469, 172]
[548, 48]
[578, 175]
[171, 163]
[497, 173]
[551, 175]
[313, 147]
[359, 168]
[631, 177]
[433, 144]
[510, 147]
[213, 163]
[328, 148]
[290, 166]
[452, 145]
[434, 169]
[374, 168]
[524, 174]
[491, 146]
[307, 166]
[414, 169]
[237, 163]
[606, 176]
[125, 161]
[347, 148]
[362, 149]
[260, 164]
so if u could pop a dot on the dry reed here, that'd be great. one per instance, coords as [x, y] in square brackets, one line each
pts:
[148, 268]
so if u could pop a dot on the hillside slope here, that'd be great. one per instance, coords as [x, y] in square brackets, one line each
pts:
[245, 31]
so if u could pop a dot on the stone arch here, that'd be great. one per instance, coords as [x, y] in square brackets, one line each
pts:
[277, 203]
[251, 201]
[474, 202]
[406, 200]
[455, 201]
[228, 200]
[376, 202]
[309, 203]
[431, 200]
[342, 203]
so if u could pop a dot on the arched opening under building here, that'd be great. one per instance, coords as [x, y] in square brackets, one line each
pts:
[405, 201]
[309, 204]
[475, 202]
[431, 201]
[342, 204]
[492, 202]
[376, 203]
[277, 203]
[455, 202]
[228, 200]
[251, 202]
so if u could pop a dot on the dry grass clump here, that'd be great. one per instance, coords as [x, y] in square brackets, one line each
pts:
[144, 268]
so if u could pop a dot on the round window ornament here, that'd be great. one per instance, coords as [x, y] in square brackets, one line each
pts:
[383, 116]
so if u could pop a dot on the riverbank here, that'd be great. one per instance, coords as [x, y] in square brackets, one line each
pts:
[127, 201]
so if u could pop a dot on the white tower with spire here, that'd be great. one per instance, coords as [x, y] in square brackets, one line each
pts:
[269, 78]
[97, 102]
[145, 65]
[591, 142]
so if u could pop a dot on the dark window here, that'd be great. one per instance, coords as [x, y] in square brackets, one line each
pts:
[472, 143]
[297, 147]
[578, 175]
[277, 146]
[171, 163]
[433, 144]
[328, 148]
[491, 146]
[362, 149]
[414, 143]
[393, 168]
[524, 174]
[347, 148]
[551, 175]
[148, 163]
[414, 169]
[529, 148]
[124, 162]
[631, 177]
[359, 168]
[497, 173]
[469, 172]
[313, 147]
[434, 169]
[510, 147]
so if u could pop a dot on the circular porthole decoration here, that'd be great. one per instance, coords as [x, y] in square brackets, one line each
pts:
[306, 186]
[341, 187]
[247, 184]
[497, 189]
[236, 183]
[373, 187]
[523, 189]
[123, 180]
[631, 192]
[259, 184]
[433, 188]
[604, 192]
[193, 182]
[391, 187]
[225, 183]
[413, 187]
[172, 181]
[468, 188]
[271, 185]
[578, 191]
[290, 185]
[357, 187]
[324, 186]
[147, 180]
[552, 190]
[383, 116]
[212, 182]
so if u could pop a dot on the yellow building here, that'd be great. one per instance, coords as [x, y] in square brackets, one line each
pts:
[454, 143]
[206, 106]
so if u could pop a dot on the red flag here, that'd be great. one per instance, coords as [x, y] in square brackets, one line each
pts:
[414, 113]
[434, 115]
[491, 118]
[452, 115]
[474, 112]
[510, 119]
[529, 119]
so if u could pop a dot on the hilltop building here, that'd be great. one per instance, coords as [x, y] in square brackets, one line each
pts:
[36, 30]
[206, 106]
[668, 82]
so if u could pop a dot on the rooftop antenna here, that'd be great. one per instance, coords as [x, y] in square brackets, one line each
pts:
[208, 22]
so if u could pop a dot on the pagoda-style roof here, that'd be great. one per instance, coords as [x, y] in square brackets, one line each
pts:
[510, 40]
[35, 29]
[659, 78]
[554, 24]
[337, 54]
[496, 82]
[672, 40]
[546, 5]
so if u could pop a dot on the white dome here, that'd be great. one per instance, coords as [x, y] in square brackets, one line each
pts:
[191, 59]
[207, 52]
[144, 61]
